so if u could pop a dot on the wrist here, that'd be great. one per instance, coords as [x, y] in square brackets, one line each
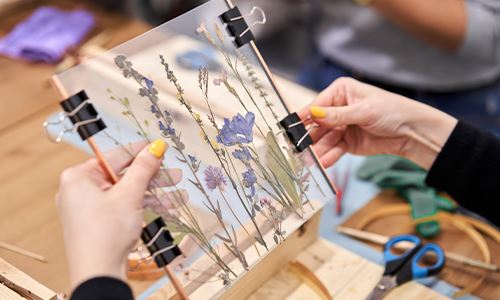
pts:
[85, 270]
[427, 131]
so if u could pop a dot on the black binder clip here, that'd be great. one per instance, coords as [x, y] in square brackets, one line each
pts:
[238, 27]
[160, 243]
[83, 116]
[296, 132]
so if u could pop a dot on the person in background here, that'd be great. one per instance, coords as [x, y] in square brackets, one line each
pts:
[444, 53]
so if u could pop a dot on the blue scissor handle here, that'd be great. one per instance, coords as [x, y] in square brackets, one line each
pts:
[393, 262]
[413, 270]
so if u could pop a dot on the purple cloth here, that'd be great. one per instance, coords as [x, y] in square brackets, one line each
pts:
[47, 34]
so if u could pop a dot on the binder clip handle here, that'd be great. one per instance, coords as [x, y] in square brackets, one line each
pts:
[82, 115]
[296, 132]
[238, 27]
[160, 242]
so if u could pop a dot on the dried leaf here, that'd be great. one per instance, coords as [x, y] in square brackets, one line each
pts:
[223, 238]
[281, 169]
[260, 240]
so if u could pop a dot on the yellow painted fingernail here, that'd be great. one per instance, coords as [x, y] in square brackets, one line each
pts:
[317, 112]
[158, 148]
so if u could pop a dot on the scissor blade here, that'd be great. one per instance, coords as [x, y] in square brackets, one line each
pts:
[383, 287]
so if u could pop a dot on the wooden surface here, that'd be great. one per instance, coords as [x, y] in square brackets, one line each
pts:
[29, 164]
[450, 239]
[23, 284]
[345, 275]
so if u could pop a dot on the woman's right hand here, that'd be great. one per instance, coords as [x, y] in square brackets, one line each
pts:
[361, 119]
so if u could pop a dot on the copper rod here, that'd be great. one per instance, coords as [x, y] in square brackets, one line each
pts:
[176, 283]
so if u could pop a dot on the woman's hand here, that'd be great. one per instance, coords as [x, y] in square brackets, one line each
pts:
[102, 222]
[361, 119]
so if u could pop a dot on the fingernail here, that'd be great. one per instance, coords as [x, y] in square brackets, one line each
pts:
[158, 148]
[317, 112]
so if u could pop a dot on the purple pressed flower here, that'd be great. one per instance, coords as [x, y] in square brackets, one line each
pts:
[218, 81]
[154, 110]
[237, 131]
[242, 155]
[166, 130]
[249, 180]
[161, 126]
[149, 83]
[214, 178]
[264, 202]
[192, 159]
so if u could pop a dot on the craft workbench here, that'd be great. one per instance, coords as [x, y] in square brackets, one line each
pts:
[30, 168]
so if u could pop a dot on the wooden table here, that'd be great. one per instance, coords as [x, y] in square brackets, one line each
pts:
[29, 164]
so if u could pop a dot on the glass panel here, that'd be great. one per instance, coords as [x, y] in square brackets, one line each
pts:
[243, 190]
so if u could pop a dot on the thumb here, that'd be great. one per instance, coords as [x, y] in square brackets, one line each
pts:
[142, 170]
[338, 115]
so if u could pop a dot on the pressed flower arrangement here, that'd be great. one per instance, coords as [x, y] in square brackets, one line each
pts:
[222, 128]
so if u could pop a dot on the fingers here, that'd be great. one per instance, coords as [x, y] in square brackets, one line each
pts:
[329, 140]
[121, 157]
[167, 177]
[333, 155]
[339, 116]
[163, 201]
[142, 170]
[334, 95]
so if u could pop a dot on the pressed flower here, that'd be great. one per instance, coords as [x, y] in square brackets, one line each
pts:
[249, 180]
[214, 178]
[166, 130]
[239, 130]
[264, 202]
[192, 159]
[149, 83]
[223, 78]
[243, 155]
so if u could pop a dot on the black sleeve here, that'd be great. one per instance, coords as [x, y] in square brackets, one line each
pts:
[102, 288]
[468, 168]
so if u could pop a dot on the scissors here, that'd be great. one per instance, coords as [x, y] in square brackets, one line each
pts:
[400, 269]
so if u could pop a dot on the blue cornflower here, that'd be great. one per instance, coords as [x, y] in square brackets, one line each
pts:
[214, 178]
[242, 155]
[237, 131]
[249, 180]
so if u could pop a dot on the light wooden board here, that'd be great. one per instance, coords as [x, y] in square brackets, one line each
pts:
[23, 284]
[345, 275]
[8, 294]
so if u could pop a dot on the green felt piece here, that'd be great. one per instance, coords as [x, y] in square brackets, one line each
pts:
[428, 229]
[409, 180]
